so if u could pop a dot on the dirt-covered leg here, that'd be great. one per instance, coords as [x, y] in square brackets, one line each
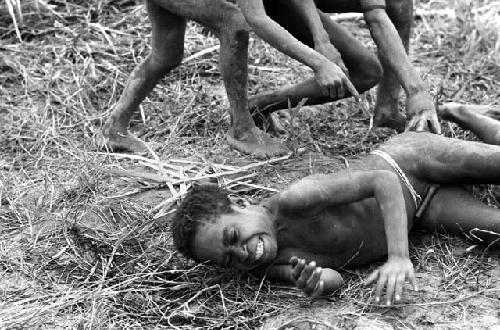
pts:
[454, 210]
[166, 53]
[364, 68]
[243, 134]
[482, 120]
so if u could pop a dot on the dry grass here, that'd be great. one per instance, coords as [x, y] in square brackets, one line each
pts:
[84, 239]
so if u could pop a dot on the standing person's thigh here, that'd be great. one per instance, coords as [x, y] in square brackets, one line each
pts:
[454, 210]
[282, 13]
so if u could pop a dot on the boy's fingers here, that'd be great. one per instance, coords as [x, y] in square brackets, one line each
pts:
[307, 272]
[399, 287]
[313, 280]
[380, 286]
[391, 283]
[297, 270]
[318, 290]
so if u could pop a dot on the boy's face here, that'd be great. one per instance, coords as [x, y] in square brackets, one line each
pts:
[244, 239]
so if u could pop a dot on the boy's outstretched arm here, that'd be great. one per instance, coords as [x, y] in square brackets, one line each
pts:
[421, 108]
[313, 195]
[328, 74]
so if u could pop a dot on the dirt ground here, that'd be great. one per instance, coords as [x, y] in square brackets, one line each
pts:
[84, 233]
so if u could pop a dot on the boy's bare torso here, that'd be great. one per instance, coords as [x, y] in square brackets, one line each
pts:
[353, 234]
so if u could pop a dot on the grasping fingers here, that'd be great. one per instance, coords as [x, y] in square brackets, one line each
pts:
[315, 285]
[400, 281]
[297, 267]
[390, 287]
[307, 277]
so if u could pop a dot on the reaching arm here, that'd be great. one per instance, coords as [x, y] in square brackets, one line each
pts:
[392, 52]
[347, 187]
[329, 75]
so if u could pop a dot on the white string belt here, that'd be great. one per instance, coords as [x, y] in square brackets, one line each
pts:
[416, 197]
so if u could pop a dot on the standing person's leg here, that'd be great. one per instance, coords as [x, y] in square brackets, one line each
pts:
[482, 120]
[167, 50]
[243, 134]
[454, 210]
[364, 67]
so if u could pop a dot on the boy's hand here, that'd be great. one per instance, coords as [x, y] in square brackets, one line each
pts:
[422, 113]
[392, 275]
[333, 81]
[307, 277]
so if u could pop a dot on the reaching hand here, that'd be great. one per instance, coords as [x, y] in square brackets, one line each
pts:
[334, 82]
[392, 275]
[422, 113]
[307, 277]
[332, 76]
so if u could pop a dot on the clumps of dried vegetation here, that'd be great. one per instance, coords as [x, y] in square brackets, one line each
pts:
[84, 239]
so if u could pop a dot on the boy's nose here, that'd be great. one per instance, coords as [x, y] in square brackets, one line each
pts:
[240, 252]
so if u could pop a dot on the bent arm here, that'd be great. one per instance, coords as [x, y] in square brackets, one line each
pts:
[255, 15]
[392, 51]
[310, 196]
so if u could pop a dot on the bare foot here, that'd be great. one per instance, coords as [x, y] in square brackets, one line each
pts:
[386, 117]
[257, 143]
[117, 141]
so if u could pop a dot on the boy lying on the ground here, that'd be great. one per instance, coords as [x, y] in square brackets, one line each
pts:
[355, 216]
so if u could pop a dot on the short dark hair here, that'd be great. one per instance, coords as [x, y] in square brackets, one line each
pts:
[202, 204]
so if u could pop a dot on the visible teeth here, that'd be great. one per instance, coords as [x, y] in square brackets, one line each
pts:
[259, 250]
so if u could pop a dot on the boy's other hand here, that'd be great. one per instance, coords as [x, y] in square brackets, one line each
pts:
[392, 275]
[307, 277]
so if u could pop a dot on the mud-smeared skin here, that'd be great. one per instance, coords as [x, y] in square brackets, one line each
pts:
[256, 142]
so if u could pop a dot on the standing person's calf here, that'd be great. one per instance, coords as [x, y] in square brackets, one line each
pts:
[168, 19]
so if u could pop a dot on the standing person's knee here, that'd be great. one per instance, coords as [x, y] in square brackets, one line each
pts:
[161, 65]
[366, 73]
